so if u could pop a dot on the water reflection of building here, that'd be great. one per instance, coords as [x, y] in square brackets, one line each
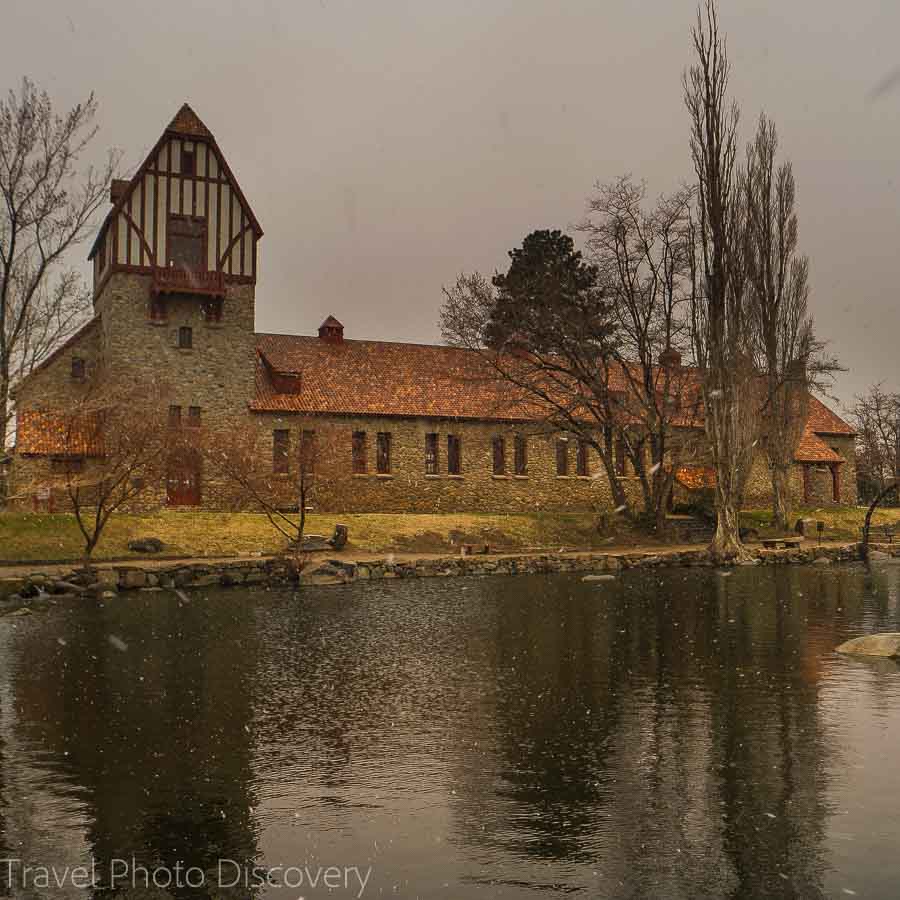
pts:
[143, 711]
[665, 737]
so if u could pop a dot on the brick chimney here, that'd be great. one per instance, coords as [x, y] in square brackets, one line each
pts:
[331, 331]
[117, 188]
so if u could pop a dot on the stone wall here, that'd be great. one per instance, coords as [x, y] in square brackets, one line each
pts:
[216, 374]
[407, 488]
[105, 582]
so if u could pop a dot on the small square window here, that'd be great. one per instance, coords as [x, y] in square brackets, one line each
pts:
[193, 417]
[158, 309]
[212, 310]
[185, 337]
[174, 417]
[78, 369]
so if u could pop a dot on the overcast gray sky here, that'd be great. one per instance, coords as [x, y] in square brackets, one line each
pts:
[386, 145]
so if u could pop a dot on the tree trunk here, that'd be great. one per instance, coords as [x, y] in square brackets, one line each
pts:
[4, 406]
[726, 542]
[781, 510]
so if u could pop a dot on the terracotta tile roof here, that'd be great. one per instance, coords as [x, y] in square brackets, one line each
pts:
[43, 434]
[822, 420]
[382, 379]
[696, 477]
[813, 449]
[187, 122]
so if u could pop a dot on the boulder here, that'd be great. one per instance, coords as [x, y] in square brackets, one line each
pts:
[132, 578]
[64, 587]
[109, 578]
[315, 542]
[146, 545]
[599, 578]
[10, 587]
[821, 561]
[879, 554]
[886, 645]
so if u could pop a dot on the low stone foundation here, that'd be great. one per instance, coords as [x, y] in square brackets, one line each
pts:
[107, 581]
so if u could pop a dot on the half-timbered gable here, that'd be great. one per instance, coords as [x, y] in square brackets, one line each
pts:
[182, 218]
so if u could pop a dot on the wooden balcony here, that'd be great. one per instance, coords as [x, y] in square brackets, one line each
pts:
[183, 281]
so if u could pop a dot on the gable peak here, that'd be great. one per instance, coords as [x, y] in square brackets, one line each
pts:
[187, 122]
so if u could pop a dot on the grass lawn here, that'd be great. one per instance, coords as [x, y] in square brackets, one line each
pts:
[29, 537]
[842, 523]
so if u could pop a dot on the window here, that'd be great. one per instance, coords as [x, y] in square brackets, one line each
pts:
[307, 452]
[499, 456]
[835, 484]
[383, 460]
[157, 309]
[620, 457]
[185, 337]
[188, 166]
[186, 243]
[431, 454]
[212, 310]
[193, 417]
[281, 451]
[581, 459]
[454, 455]
[174, 417]
[78, 369]
[807, 484]
[359, 453]
[521, 454]
[562, 456]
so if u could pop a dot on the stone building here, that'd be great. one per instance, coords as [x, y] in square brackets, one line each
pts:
[414, 428]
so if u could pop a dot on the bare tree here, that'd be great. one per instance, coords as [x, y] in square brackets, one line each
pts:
[281, 481]
[876, 416]
[722, 318]
[788, 353]
[46, 210]
[644, 260]
[110, 449]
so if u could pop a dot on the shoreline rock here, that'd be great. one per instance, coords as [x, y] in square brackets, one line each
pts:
[108, 579]
[885, 645]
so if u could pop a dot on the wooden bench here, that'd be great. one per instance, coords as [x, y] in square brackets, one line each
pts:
[880, 533]
[786, 542]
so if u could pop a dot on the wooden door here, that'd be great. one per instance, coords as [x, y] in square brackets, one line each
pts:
[183, 480]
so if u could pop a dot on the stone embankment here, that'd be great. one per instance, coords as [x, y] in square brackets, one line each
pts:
[107, 581]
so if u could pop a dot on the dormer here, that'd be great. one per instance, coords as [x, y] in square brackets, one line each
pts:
[283, 381]
[182, 218]
[331, 331]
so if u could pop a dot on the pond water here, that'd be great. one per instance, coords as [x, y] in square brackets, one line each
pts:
[670, 734]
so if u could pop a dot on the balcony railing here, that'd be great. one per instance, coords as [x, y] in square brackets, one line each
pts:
[183, 281]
